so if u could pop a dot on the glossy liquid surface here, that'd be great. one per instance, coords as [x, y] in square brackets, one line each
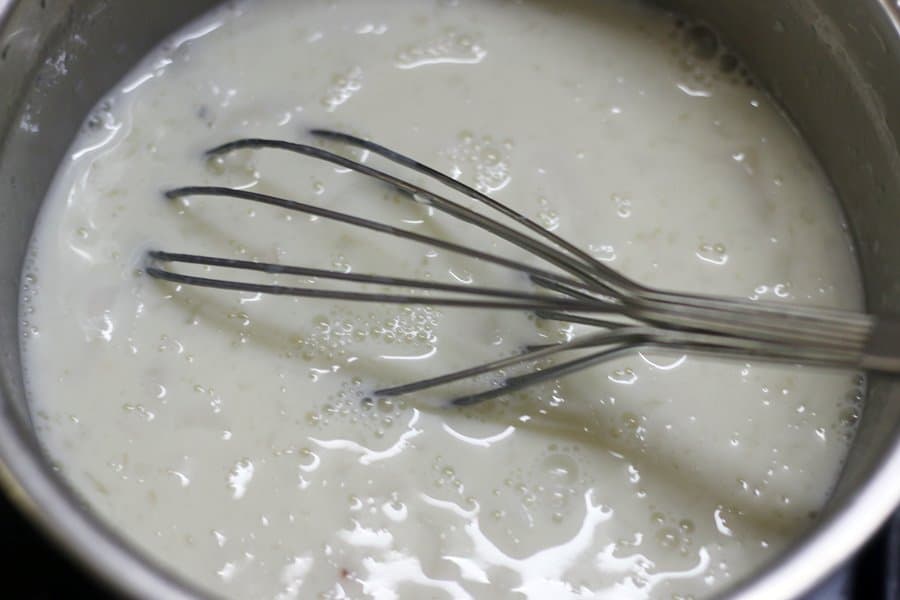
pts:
[227, 434]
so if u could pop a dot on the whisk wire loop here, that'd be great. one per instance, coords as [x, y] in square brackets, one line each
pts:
[624, 314]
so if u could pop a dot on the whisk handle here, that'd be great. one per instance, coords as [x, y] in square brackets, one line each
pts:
[882, 350]
[812, 335]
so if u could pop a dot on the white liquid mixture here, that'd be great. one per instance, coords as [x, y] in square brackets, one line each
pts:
[225, 432]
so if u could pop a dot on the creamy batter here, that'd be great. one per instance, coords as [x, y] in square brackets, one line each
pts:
[226, 433]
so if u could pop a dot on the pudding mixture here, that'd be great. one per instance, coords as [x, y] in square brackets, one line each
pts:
[228, 434]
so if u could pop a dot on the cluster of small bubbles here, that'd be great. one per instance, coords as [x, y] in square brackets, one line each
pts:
[634, 425]
[169, 344]
[314, 419]
[556, 399]
[699, 52]
[116, 466]
[28, 292]
[625, 376]
[29, 281]
[550, 485]
[622, 204]
[446, 476]
[140, 410]
[242, 318]
[343, 86]
[483, 160]
[715, 254]
[451, 47]
[851, 410]
[604, 252]
[340, 263]
[547, 216]
[673, 534]
[332, 335]
[351, 404]
[412, 324]
[215, 401]
[525, 492]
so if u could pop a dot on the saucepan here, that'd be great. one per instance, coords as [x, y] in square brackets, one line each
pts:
[834, 65]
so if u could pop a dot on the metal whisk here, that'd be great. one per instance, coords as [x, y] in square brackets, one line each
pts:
[574, 287]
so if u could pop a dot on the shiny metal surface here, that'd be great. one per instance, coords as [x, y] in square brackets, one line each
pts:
[634, 316]
[41, 108]
[833, 64]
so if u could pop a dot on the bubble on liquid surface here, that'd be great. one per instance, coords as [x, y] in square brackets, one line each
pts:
[451, 47]
[560, 469]
[482, 160]
[344, 85]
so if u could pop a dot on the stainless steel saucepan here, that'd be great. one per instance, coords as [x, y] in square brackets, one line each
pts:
[833, 64]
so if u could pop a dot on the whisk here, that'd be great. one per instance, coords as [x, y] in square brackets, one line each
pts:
[571, 287]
